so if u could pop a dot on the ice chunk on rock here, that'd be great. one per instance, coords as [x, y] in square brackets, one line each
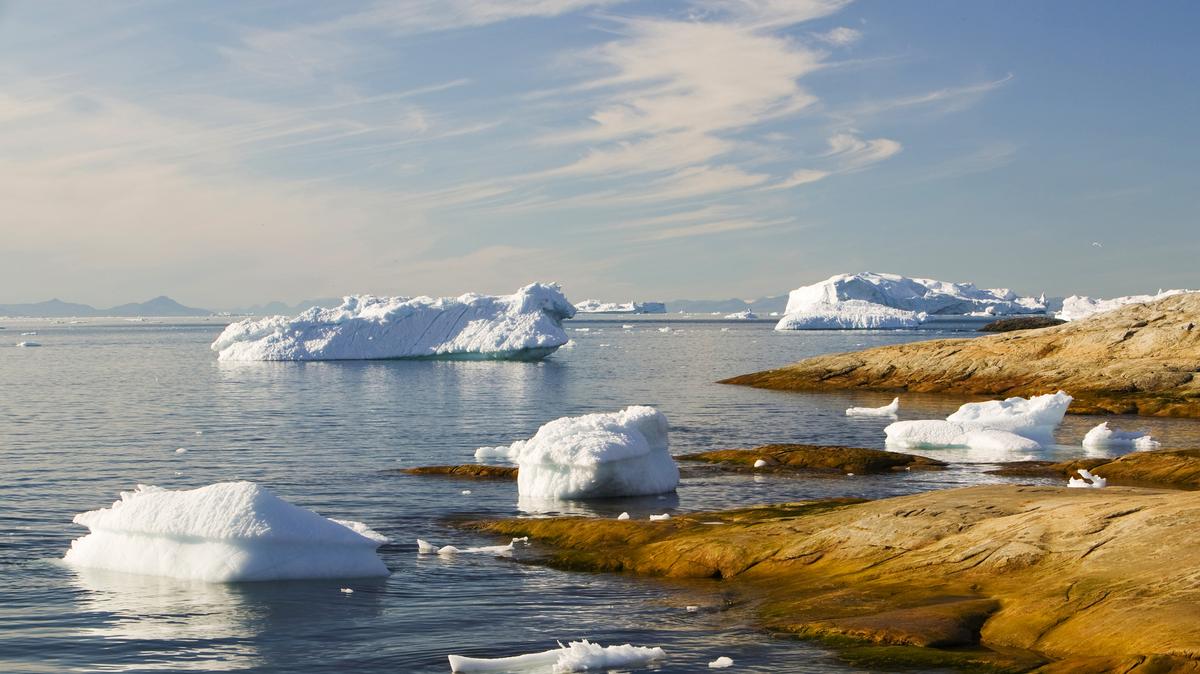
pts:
[888, 410]
[760, 463]
[1014, 424]
[1104, 437]
[576, 656]
[225, 532]
[526, 325]
[1089, 481]
[596, 455]
[657, 518]
[623, 516]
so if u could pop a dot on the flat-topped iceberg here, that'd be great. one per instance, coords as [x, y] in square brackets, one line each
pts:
[594, 456]
[598, 307]
[746, 315]
[873, 301]
[1078, 307]
[225, 532]
[1014, 424]
[526, 325]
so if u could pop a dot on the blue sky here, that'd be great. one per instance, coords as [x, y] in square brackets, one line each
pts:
[227, 153]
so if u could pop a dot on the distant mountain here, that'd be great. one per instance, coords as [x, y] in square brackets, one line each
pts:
[56, 308]
[762, 306]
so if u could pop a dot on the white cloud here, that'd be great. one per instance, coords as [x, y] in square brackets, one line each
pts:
[840, 36]
[852, 153]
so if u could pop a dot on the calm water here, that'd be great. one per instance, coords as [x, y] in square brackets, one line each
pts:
[102, 406]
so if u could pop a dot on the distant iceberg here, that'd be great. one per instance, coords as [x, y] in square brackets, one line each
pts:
[526, 325]
[1077, 307]
[1013, 424]
[594, 456]
[881, 301]
[746, 315]
[225, 532]
[598, 307]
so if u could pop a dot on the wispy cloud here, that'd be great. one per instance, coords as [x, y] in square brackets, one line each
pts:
[839, 37]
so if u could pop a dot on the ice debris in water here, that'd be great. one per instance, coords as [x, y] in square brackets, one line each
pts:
[691, 608]
[466, 492]
[623, 516]
[664, 516]
[1015, 424]
[427, 548]
[225, 532]
[595, 455]
[27, 344]
[1103, 436]
[888, 410]
[721, 663]
[760, 463]
[1089, 481]
[576, 656]
[526, 325]
[181, 450]
[346, 590]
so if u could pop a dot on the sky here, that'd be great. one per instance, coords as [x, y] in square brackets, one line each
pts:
[231, 153]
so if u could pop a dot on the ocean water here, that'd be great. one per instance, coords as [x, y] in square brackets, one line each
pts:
[103, 405]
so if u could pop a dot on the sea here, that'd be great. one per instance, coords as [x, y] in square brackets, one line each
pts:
[103, 404]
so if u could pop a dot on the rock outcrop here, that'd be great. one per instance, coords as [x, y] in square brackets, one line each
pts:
[1140, 359]
[1021, 323]
[833, 459]
[1172, 469]
[466, 471]
[1088, 579]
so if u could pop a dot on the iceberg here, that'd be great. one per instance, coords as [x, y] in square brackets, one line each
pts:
[746, 315]
[1014, 424]
[888, 301]
[594, 456]
[526, 325]
[1104, 437]
[1078, 307]
[598, 307]
[225, 532]
[576, 656]
[888, 410]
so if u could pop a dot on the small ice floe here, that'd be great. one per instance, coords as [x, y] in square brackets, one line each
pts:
[466, 492]
[721, 662]
[1104, 437]
[1014, 424]
[199, 432]
[664, 516]
[346, 590]
[181, 450]
[31, 333]
[225, 532]
[623, 516]
[1089, 481]
[849, 474]
[665, 328]
[582, 329]
[692, 608]
[724, 329]
[888, 410]
[576, 656]
[27, 344]
[627, 326]
[427, 548]
[760, 463]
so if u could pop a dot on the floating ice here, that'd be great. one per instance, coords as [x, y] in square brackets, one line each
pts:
[225, 532]
[598, 307]
[623, 516]
[721, 663]
[691, 608]
[31, 333]
[849, 315]
[1077, 307]
[760, 463]
[746, 315]
[466, 492]
[888, 410]
[27, 344]
[664, 516]
[427, 548]
[181, 450]
[1015, 424]
[1102, 436]
[596, 455]
[576, 656]
[665, 328]
[526, 325]
[346, 590]
[1089, 481]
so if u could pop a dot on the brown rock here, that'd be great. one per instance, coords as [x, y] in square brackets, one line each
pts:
[814, 458]
[469, 471]
[1021, 323]
[1169, 468]
[1140, 359]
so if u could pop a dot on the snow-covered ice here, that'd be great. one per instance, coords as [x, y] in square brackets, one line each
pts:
[595, 455]
[575, 656]
[1089, 481]
[598, 307]
[721, 662]
[873, 301]
[1077, 307]
[623, 516]
[746, 315]
[225, 532]
[888, 410]
[1014, 424]
[526, 325]
[1102, 437]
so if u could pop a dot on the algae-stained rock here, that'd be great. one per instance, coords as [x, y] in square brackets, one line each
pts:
[1166, 468]
[1021, 323]
[468, 471]
[1064, 573]
[814, 458]
[1140, 359]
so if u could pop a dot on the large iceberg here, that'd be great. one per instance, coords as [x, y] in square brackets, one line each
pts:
[1015, 424]
[593, 456]
[225, 532]
[870, 300]
[1077, 307]
[526, 325]
[598, 307]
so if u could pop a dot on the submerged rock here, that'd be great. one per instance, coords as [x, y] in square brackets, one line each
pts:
[467, 471]
[1140, 359]
[814, 459]
[1041, 572]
